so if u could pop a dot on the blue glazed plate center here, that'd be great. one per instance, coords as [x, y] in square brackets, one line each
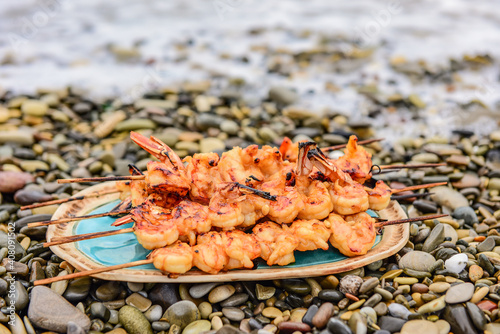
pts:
[123, 248]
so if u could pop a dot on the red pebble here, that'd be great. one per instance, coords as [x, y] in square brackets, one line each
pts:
[352, 297]
[288, 327]
[487, 305]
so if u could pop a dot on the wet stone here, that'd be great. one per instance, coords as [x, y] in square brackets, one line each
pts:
[391, 324]
[134, 321]
[78, 289]
[154, 313]
[323, 314]
[235, 300]
[108, 291]
[420, 326]
[164, 294]
[487, 245]
[398, 311]
[138, 301]
[98, 310]
[368, 285]
[296, 286]
[331, 295]
[309, 315]
[336, 325]
[160, 326]
[233, 313]
[373, 300]
[182, 313]
[264, 292]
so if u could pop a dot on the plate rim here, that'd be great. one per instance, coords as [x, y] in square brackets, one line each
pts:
[394, 238]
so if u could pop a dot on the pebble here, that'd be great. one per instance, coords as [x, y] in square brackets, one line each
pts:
[448, 197]
[417, 260]
[61, 311]
[433, 306]
[264, 292]
[457, 317]
[459, 293]
[391, 324]
[182, 313]
[456, 263]
[108, 291]
[134, 321]
[368, 285]
[198, 326]
[420, 326]
[331, 295]
[12, 181]
[138, 301]
[324, 313]
[399, 311]
[350, 284]
[154, 313]
[24, 138]
[221, 293]
[337, 326]
[287, 327]
[476, 315]
[164, 294]
[479, 294]
[233, 313]
[434, 239]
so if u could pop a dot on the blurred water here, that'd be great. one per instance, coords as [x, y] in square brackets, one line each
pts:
[54, 43]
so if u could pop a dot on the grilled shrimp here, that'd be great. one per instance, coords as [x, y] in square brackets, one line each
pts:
[356, 161]
[312, 234]
[380, 196]
[174, 259]
[203, 174]
[209, 254]
[277, 245]
[352, 235]
[154, 227]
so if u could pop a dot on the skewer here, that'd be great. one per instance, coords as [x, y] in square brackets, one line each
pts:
[92, 272]
[409, 220]
[420, 186]
[400, 197]
[69, 219]
[411, 166]
[338, 147]
[69, 199]
[86, 236]
[102, 179]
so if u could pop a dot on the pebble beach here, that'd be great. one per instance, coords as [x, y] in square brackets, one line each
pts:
[309, 83]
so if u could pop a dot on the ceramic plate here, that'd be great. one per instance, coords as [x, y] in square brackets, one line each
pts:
[123, 248]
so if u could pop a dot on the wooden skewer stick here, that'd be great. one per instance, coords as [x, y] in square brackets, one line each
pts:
[86, 236]
[102, 179]
[420, 186]
[411, 166]
[338, 147]
[70, 219]
[69, 199]
[92, 272]
[409, 220]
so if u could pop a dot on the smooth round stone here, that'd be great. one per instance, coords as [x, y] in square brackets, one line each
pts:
[160, 326]
[283, 95]
[221, 293]
[479, 294]
[434, 239]
[406, 280]
[205, 309]
[420, 326]
[325, 312]
[337, 326]
[467, 214]
[208, 145]
[448, 197]
[384, 293]
[350, 284]
[374, 266]
[233, 313]
[200, 290]
[164, 294]
[134, 321]
[417, 260]
[476, 315]
[381, 309]
[230, 127]
[198, 326]
[331, 295]
[182, 313]
[368, 285]
[432, 306]
[135, 124]
[271, 312]
[264, 292]
[287, 327]
[443, 326]
[216, 323]
[475, 273]
[439, 287]
[391, 324]
[138, 301]
[108, 291]
[399, 311]
[135, 287]
[154, 313]
[34, 108]
[305, 317]
[297, 286]
[457, 317]
[373, 300]
[235, 300]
